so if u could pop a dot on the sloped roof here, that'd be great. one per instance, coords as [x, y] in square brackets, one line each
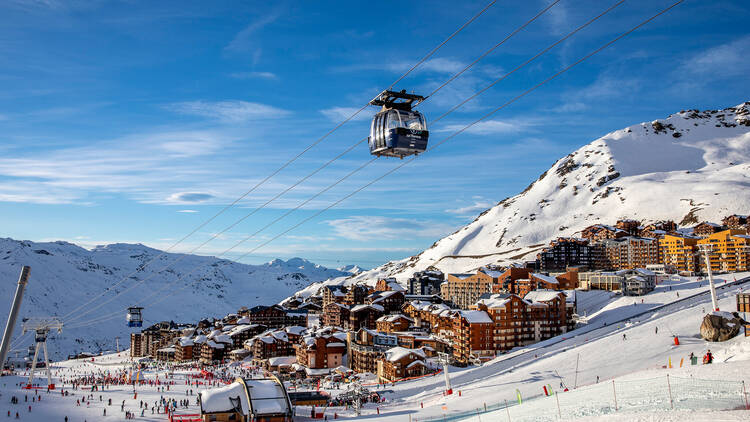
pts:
[475, 317]
[397, 353]
[545, 278]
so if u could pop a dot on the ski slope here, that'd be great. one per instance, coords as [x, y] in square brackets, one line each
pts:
[599, 350]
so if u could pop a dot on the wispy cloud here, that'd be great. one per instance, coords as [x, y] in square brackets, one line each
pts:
[371, 228]
[231, 111]
[142, 165]
[254, 75]
[338, 114]
[245, 40]
[189, 197]
[477, 207]
[725, 60]
[188, 211]
[437, 65]
[487, 127]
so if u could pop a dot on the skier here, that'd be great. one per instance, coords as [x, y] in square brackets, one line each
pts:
[624, 337]
[656, 330]
[597, 379]
[708, 358]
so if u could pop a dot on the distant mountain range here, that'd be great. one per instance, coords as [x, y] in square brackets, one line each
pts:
[64, 276]
[691, 167]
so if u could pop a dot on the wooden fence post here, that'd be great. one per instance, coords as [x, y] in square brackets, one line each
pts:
[669, 387]
[559, 414]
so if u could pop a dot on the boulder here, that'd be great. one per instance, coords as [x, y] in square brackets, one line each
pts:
[721, 326]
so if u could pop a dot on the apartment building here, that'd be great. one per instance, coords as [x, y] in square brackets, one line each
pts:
[365, 347]
[631, 252]
[565, 252]
[472, 336]
[730, 252]
[680, 251]
[465, 289]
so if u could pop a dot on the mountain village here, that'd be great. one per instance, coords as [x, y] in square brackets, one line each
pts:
[182, 170]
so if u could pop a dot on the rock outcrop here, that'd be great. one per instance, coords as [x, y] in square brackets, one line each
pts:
[721, 326]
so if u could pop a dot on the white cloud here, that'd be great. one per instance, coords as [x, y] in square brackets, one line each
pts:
[144, 166]
[254, 75]
[188, 211]
[230, 111]
[189, 197]
[487, 127]
[243, 41]
[338, 114]
[369, 228]
[726, 60]
[477, 207]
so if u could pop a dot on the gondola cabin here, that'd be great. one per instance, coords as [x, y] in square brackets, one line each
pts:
[397, 130]
[134, 317]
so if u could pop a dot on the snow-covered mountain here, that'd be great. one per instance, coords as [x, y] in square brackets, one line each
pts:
[65, 276]
[692, 166]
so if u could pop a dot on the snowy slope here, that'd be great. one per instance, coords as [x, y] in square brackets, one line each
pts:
[690, 167]
[64, 276]
[581, 356]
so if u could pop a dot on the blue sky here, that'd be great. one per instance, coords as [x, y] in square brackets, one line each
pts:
[136, 121]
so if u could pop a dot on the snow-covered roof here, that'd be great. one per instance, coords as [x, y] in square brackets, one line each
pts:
[216, 400]
[415, 363]
[215, 345]
[545, 278]
[378, 296]
[461, 276]
[295, 330]
[336, 344]
[267, 397]
[363, 307]
[185, 341]
[497, 300]
[243, 320]
[199, 339]
[393, 285]
[169, 349]
[475, 317]
[282, 360]
[541, 295]
[397, 353]
[491, 273]
[394, 317]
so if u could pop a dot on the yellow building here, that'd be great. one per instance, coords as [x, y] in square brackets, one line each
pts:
[680, 251]
[731, 250]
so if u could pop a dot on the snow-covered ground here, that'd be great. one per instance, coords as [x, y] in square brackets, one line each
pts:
[187, 288]
[629, 350]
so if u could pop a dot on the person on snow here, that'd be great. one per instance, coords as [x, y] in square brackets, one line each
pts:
[708, 358]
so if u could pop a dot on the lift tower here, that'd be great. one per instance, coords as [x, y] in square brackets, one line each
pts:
[42, 327]
[13, 316]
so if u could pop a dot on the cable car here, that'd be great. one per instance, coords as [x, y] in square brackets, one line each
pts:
[397, 130]
[135, 318]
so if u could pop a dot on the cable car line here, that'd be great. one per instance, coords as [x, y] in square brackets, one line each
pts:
[509, 36]
[367, 163]
[285, 165]
[318, 169]
[511, 101]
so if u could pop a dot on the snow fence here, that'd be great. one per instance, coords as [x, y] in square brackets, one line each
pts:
[665, 393]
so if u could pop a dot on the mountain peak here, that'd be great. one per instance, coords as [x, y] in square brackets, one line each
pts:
[691, 163]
